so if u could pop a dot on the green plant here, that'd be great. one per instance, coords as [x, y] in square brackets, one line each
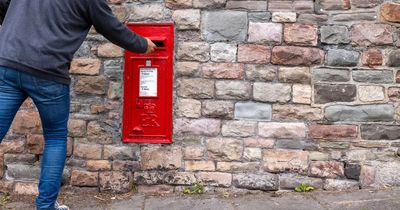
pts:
[4, 199]
[304, 188]
[197, 188]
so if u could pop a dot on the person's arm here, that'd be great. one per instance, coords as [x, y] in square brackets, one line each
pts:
[3, 9]
[112, 29]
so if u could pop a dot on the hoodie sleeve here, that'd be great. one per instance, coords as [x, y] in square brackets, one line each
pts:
[112, 29]
[3, 9]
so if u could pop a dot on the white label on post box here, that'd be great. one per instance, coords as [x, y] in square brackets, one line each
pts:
[148, 82]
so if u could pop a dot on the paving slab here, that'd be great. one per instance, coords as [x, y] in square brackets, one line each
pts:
[186, 203]
[285, 202]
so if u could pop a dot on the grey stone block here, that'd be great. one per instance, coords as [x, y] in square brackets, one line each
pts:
[367, 113]
[265, 182]
[340, 57]
[225, 26]
[331, 75]
[380, 132]
[373, 76]
[253, 111]
[335, 35]
[325, 93]
[394, 58]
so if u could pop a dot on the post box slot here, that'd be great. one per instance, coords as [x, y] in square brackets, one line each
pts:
[159, 43]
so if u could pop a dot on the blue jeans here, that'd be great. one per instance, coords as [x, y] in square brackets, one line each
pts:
[52, 101]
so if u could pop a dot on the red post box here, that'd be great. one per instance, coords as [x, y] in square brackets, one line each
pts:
[148, 86]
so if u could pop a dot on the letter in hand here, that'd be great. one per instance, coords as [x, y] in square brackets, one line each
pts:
[150, 46]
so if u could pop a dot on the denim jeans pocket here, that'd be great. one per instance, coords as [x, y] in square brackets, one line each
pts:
[2, 72]
[49, 88]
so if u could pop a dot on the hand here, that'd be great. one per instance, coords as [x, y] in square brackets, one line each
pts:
[150, 46]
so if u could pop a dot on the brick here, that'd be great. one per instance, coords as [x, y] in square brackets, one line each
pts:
[270, 33]
[223, 70]
[271, 92]
[217, 179]
[327, 169]
[291, 181]
[361, 16]
[291, 55]
[247, 5]
[218, 109]
[189, 108]
[373, 76]
[251, 53]
[193, 51]
[76, 127]
[223, 52]
[231, 25]
[161, 158]
[284, 17]
[199, 166]
[285, 160]
[380, 132]
[97, 132]
[187, 68]
[98, 165]
[208, 3]
[352, 171]
[338, 132]
[85, 66]
[90, 85]
[264, 182]
[366, 3]
[121, 165]
[206, 127]
[341, 57]
[372, 57]
[371, 93]
[175, 4]
[335, 34]
[331, 75]
[237, 167]
[238, 128]
[367, 176]
[142, 12]
[21, 188]
[301, 94]
[193, 152]
[335, 4]
[114, 91]
[282, 130]
[35, 144]
[391, 12]
[15, 146]
[252, 154]
[224, 149]
[87, 151]
[115, 181]
[84, 178]
[290, 112]
[301, 34]
[253, 111]
[366, 34]
[232, 90]
[26, 123]
[341, 185]
[295, 74]
[393, 58]
[361, 113]
[394, 93]
[259, 17]
[115, 152]
[260, 72]
[196, 88]
[186, 19]
[109, 50]
[259, 143]
[326, 93]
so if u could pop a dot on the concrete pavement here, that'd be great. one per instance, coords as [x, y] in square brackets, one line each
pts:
[320, 200]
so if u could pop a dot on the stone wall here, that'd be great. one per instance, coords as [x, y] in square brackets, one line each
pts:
[268, 94]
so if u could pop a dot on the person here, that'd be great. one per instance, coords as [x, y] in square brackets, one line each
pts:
[38, 39]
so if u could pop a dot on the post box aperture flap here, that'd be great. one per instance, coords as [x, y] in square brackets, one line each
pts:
[148, 83]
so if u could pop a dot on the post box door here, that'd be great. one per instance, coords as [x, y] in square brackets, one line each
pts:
[148, 82]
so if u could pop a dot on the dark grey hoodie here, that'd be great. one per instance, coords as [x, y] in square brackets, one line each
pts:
[39, 37]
